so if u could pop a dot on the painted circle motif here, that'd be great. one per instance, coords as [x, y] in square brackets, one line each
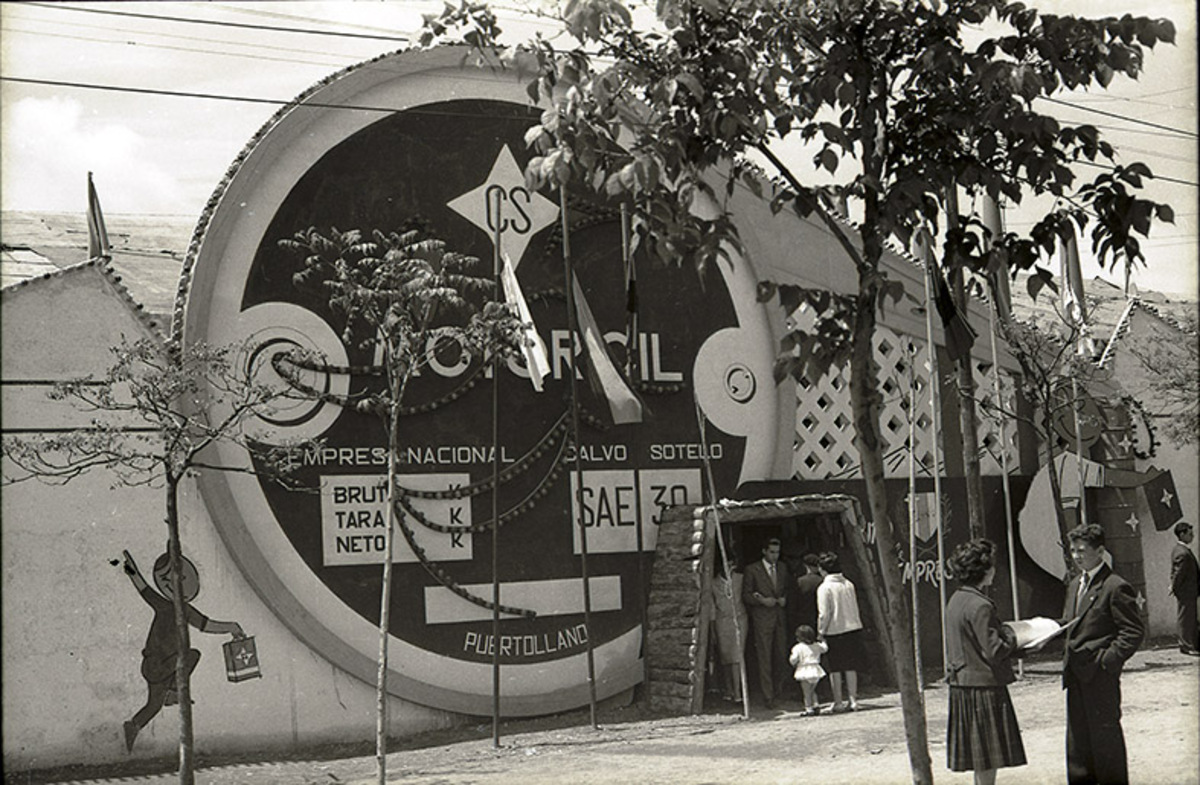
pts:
[449, 156]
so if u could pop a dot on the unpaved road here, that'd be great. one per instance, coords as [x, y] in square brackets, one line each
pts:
[1161, 690]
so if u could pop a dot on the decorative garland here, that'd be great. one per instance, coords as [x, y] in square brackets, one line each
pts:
[443, 578]
[1134, 406]
[348, 401]
[483, 486]
[526, 504]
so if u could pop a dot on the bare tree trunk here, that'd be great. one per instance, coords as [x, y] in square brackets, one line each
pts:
[865, 400]
[968, 425]
[187, 774]
[385, 594]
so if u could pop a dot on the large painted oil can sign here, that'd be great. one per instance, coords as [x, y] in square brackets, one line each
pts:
[423, 137]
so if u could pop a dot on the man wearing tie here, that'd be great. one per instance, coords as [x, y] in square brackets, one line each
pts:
[763, 589]
[1185, 586]
[1106, 629]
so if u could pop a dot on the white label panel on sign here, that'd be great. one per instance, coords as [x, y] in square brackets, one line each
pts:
[354, 519]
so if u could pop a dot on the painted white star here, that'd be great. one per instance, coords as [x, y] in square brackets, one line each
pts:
[1132, 522]
[1141, 602]
[522, 213]
[1125, 444]
[1167, 497]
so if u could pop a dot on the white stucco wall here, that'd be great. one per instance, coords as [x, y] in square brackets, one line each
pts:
[73, 625]
[1156, 545]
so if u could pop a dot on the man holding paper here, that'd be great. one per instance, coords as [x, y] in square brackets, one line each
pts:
[1106, 629]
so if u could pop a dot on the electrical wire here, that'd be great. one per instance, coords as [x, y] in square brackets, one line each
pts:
[1068, 104]
[350, 59]
[406, 39]
[218, 23]
[248, 99]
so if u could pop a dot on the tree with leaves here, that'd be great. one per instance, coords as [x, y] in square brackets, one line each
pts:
[903, 99]
[1054, 380]
[399, 297]
[157, 413]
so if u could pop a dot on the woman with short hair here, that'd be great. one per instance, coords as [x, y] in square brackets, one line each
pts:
[981, 732]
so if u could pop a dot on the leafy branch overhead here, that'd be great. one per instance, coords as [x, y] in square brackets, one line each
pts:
[892, 89]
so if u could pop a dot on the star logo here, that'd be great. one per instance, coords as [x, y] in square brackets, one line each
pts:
[1141, 602]
[1132, 522]
[1167, 497]
[1125, 444]
[503, 203]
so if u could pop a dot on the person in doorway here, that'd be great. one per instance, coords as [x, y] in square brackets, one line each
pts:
[1185, 586]
[840, 626]
[730, 625]
[763, 590]
[1106, 629]
[806, 588]
[982, 734]
[161, 651]
[806, 659]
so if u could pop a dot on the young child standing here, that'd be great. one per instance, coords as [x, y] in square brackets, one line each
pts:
[806, 659]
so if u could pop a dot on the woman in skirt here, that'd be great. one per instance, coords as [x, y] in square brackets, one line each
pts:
[981, 732]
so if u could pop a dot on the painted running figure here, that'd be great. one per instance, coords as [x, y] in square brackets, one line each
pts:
[160, 654]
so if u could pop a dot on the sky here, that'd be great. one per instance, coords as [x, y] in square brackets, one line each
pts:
[166, 154]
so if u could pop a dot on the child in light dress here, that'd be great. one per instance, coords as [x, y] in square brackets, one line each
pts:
[806, 659]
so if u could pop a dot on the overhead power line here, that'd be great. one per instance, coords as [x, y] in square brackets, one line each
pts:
[1184, 132]
[406, 39]
[218, 23]
[168, 47]
[241, 98]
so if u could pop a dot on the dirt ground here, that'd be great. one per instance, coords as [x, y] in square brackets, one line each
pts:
[1161, 695]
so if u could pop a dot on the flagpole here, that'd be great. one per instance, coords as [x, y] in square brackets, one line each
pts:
[1077, 413]
[1073, 294]
[631, 347]
[712, 491]
[577, 502]
[1008, 516]
[935, 406]
[994, 216]
[912, 509]
[496, 261]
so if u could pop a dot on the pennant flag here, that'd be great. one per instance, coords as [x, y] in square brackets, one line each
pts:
[1074, 304]
[631, 298]
[623, 403]
[98, 246]
[960, 335]
[997, 277]
[532, 347]
[1163, 501]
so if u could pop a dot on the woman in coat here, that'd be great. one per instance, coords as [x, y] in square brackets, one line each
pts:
[981, 733]
[730, 623]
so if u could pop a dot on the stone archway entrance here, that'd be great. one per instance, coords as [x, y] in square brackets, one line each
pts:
[678, 610]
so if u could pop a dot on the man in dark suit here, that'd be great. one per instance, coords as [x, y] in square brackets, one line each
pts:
[764, 590]
[1185, 585]
[1106, 629]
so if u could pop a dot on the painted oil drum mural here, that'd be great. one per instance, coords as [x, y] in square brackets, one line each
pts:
[423, 137]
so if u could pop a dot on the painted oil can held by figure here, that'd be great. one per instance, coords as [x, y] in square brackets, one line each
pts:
[241, 659]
